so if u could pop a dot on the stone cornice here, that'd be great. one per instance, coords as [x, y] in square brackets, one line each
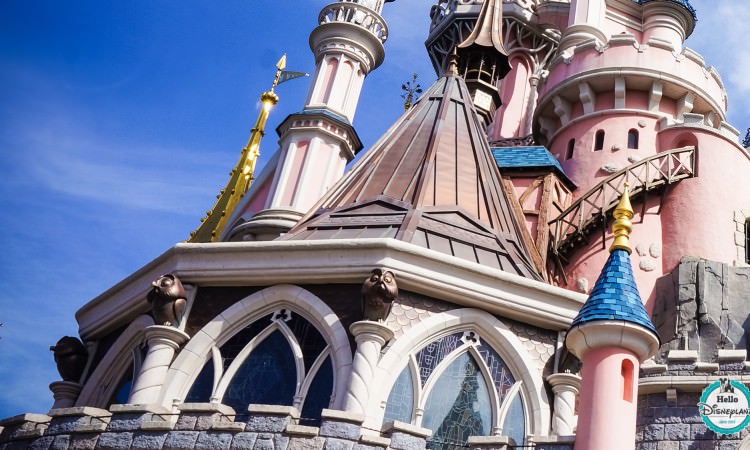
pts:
[335, 261]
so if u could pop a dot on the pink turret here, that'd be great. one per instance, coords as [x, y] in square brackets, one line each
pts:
[611, 336]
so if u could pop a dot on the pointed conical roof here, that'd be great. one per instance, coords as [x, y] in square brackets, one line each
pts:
[430, 180]
[615, 295]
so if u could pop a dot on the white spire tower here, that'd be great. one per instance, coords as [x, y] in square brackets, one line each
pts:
[316, 144]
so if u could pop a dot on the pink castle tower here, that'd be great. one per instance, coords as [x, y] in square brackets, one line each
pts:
[612, 335]
[621, 99]
[316, 144]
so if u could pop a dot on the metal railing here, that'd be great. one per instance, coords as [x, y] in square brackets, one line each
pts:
[589, 212]
[348, 11]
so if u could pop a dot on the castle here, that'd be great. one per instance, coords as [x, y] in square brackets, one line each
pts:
[542, 252]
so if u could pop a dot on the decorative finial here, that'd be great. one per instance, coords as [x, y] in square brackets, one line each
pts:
[622, 226]
[242, 175]
[410, 88]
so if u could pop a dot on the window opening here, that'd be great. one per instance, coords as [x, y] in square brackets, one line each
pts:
[122, 392]
[747, 241]
[318, 395]
[458, 405]
[203, 386]
[627, 380]
[514, 424]
[465, 385]
[599, 140]
[267, 376]
[401, 399]
[633, 138]
[571, 148]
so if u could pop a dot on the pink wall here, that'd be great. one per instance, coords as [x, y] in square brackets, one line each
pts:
[608, 401]
[698, 213]
[514, 93]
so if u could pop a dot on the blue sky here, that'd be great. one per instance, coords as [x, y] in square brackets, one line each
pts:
[119, 123]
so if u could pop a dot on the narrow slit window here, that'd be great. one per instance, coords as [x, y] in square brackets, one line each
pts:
[599, 141]
[627, 380]
[633, 138]
[571, 149]
[747, 241]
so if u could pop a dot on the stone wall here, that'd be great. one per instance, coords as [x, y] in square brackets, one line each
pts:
[703, 305]
[197, 426]
[676, 425]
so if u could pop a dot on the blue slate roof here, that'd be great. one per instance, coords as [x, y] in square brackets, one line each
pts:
[685, 3]
[537, 157]
[615, 295]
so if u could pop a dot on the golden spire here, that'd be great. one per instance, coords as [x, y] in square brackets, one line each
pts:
[241, 176]
[622, 226]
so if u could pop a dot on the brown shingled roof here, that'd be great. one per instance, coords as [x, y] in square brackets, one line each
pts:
[432, 181]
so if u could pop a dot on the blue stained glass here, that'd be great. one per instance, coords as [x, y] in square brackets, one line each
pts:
[236, 343]
[204, 385]
[267, 376]
[458, 406]
[318, 395]
[433, 353]
[122, 392]
[401, 399]
[501, 375]
[309, 338]
[514, 424]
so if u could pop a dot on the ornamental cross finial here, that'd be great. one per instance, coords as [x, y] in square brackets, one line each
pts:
[622, 226]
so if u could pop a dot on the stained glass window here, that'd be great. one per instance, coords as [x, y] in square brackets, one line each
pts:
[122, 391]
[308, 337]
[501, 376]
[318, 395]
[514, 424]
[236, 343]
[204, 385]
[433, 353]
[267, 376]
[401, 399]
[458, 405]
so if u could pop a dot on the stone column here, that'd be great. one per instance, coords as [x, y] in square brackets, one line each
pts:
[370, 337]
[163, 341]
[65, 393]
[565, 387]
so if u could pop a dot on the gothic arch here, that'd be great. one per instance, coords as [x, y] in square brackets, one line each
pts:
[100, 385]
[189, 362]
[492, 331]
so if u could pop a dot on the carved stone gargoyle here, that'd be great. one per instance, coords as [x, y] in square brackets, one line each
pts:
[378, 292]
[167, 299]
[70, 356]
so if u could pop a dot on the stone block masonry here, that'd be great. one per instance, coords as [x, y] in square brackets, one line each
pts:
[193, 426]
[676, 425]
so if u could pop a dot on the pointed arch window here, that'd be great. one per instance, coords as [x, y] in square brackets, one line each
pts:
[633, 138]
[599, 141]
[280, 359]
[458, 387]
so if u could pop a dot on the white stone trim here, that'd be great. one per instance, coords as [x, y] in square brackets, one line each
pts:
[495, 334]
[190, 360]
[100, 386]
[419, 270]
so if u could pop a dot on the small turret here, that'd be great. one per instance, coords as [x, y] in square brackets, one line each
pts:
[612, 335]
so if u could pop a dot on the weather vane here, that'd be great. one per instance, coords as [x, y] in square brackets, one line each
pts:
[410, 88]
